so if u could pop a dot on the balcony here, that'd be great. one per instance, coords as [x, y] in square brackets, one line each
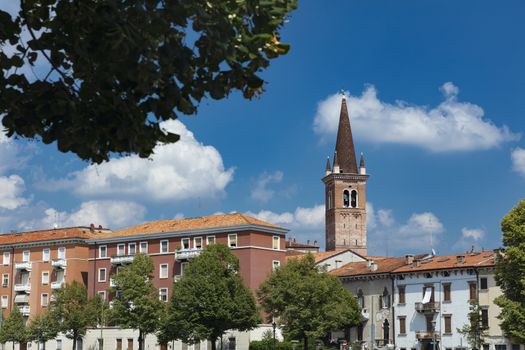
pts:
[57, 284]
[26, 287]
[59, 263]
[431, 307]
[177, 278]
[25, 310]
[121, 259]
[427, 335]
[186, 254]
[23, 265]
[112, 283]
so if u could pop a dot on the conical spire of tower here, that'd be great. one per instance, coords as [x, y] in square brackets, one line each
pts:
[362, 161]
[344, 147]
[328, 167]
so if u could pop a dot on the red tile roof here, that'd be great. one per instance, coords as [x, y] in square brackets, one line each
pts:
[79, 232]
[384, 265]
[476, 259]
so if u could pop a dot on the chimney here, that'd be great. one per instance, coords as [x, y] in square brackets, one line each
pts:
[416, 263]
[460, 259]
[409, 259]
[373, 266]
[315, 242]
[92, 228]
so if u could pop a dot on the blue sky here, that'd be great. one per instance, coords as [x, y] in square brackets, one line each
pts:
[436, 98]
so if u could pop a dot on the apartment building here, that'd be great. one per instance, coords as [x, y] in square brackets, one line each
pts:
[36, 263]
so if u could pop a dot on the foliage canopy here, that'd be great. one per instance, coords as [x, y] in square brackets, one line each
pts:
[210, 299]
[14, 328]
[116, 69]
[510, 273]
[306, 301]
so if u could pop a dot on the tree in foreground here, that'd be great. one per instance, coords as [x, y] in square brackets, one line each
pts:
[42, 328]
[136, 304]
[115, 69]
[510, 274]
[14, 328]
[307, 302]
[73, 311]
[474, 330]
[210, 299]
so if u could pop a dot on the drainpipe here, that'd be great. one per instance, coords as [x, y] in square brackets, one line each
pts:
[10, 306]
[393, 313]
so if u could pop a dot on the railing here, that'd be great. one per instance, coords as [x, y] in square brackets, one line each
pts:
[177, 278]
[57, 284]
[23, 265]
[60, 263]
[427, 307]
[427, 335]
[26, 287]
[185, 254]
[121, 259]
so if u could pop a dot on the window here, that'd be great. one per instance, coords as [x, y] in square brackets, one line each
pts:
[275, 242]
[102, 294]
[448, 324]
[164, 246]
[210, 240]
[163, 294]
[25, 256]
[446, 292]
[360, 299]
[163, 271]
[59, 344]
[62, 252]
[102, 275]
[183, 267]
[514, 346]
[103, 251]
[385, 299]
[44, 299]
[5, 279]
[232, 343]
[5, 301]
[353, 199]
[501, 346]
[483, 284]
[45, 277]
[472, 290]
[346, 199]
[401, 292]
[121, 249]
[232, 240]
[402, 325]
[485, 318]
[329, 200]
[276, 264]
[132, 248]
[486, 347]
[46, 254]
[360, 332]
[130, 344]
[6, 258]
[119, 344]
[197, 243]
[185, 243]
[143, 247]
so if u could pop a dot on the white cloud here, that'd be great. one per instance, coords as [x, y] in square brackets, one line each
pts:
[108, 213]
[11, 190]
[261, 192]
[304, 223]
[518, 160]
[183, 170]
[470, 237]
[450, 126]
[474, 233]
[385, 217]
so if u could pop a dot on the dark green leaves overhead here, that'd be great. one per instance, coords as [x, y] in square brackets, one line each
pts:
[110, 71]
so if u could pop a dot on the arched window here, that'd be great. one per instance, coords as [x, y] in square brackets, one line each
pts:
[354, 199]
[346, 199]
[360, 299]
[329, 199]
[385, 299]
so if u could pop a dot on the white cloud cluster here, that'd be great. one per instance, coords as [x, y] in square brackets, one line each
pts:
[474, 233]
[518, 160]
[418, 234]
[450, 126]
[470, 237]
[11, 190]
[261, 192]
[183, 170]
[108, 213]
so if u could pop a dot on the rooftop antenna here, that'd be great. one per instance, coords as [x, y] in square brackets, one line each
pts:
[433, 252]
[55, 225]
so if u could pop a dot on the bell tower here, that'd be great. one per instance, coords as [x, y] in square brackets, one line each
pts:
[345, 192]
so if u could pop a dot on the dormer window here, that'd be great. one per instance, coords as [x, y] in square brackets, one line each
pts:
[353, 200]
[346, 199]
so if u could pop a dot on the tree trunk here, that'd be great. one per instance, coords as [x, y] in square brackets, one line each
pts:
[141, 340]
[75, 336]
[213, 344]
[305, 343]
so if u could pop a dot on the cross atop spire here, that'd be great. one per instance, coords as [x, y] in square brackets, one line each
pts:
[344, 147]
